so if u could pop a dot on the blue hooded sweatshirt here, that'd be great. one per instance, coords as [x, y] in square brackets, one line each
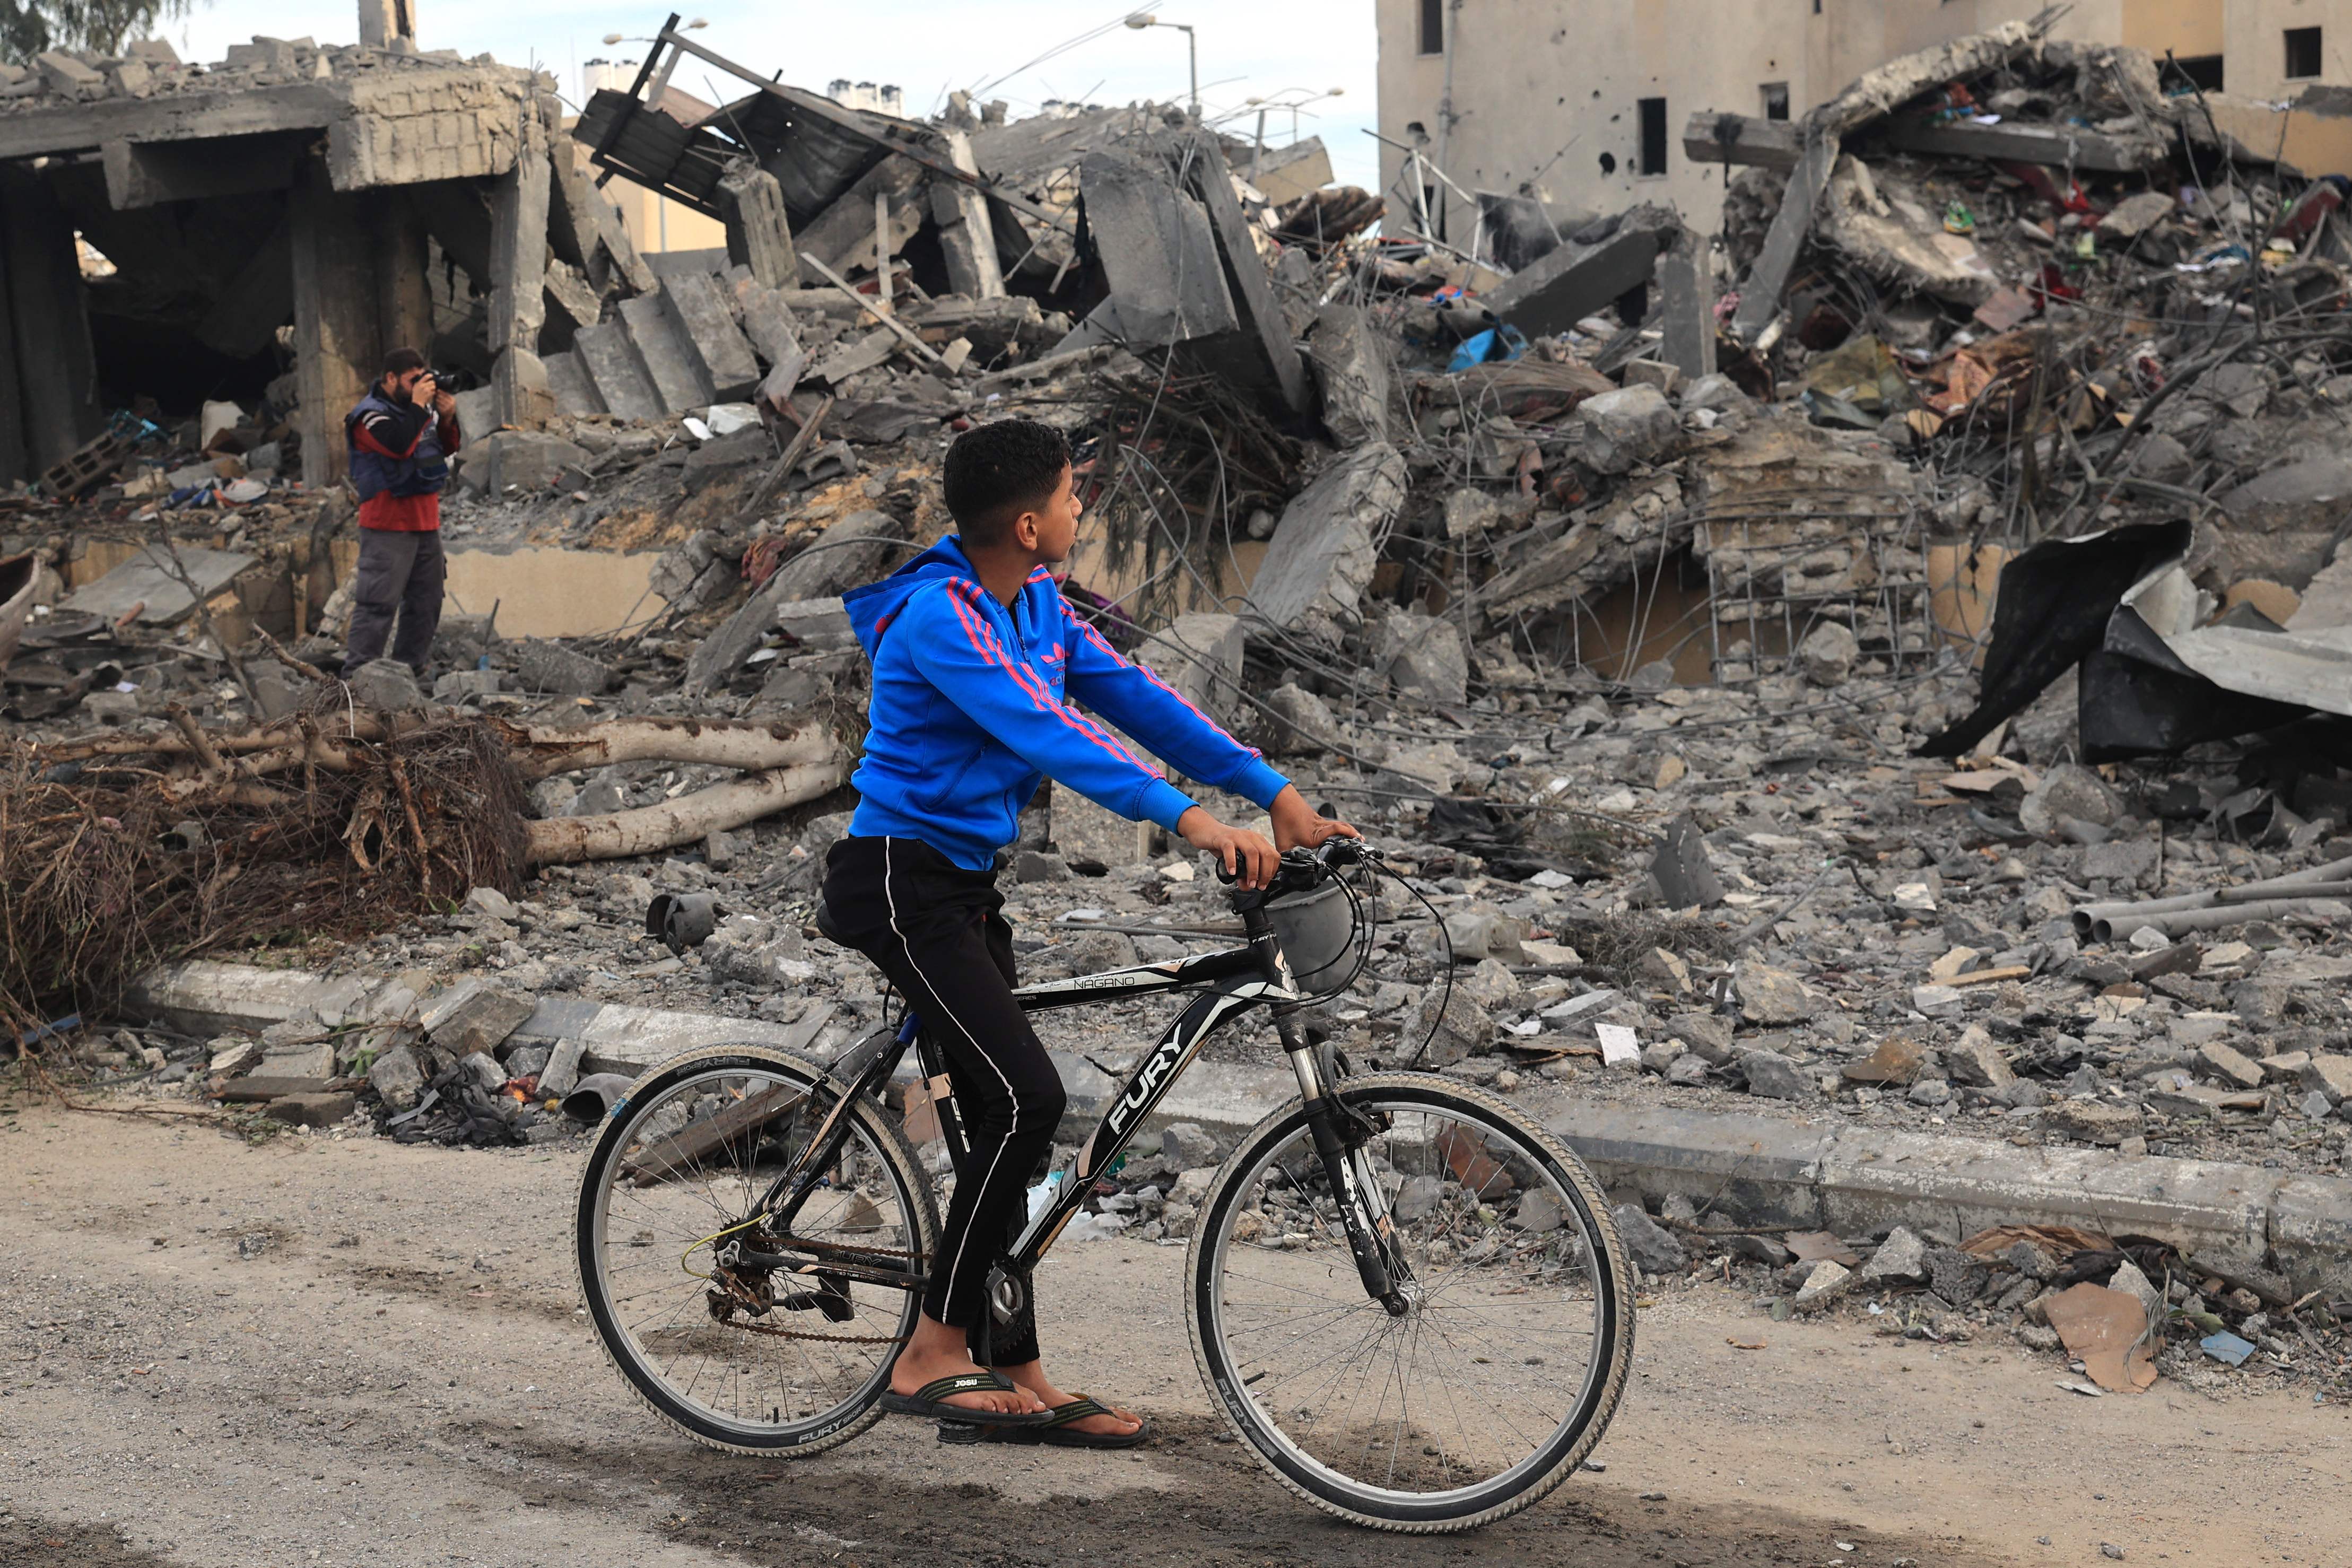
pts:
[968, 711]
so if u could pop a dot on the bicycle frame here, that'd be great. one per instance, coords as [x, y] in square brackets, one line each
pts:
[1238, 979]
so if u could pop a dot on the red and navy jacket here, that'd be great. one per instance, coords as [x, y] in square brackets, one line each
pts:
[399, 461]
[970, 708]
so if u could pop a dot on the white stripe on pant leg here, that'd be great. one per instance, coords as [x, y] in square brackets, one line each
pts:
[890, 900]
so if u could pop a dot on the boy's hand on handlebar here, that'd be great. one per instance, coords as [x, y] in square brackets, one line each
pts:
[1298, 825]
[1249, 859]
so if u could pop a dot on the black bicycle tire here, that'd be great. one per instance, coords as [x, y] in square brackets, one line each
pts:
[915, 1191]
[1561, 1456]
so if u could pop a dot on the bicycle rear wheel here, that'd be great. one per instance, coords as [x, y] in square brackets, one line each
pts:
[1518, 1335]
[753, 1360]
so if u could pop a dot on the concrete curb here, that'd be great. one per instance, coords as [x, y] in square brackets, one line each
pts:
[1752, 1170]
[203, 997]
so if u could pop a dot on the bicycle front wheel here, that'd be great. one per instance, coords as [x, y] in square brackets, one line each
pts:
[753, 1359]
[1503, 1370]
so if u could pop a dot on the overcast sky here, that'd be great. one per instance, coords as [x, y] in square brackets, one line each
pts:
[926, 47]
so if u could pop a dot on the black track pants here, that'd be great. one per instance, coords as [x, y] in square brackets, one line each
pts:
[938, 932]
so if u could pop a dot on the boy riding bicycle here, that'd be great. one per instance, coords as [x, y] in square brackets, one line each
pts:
[973, 651]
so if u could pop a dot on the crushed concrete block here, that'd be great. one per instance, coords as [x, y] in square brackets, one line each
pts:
[662, 356]
[510, 461]
[1828, 1281]
[1300, 723]
[1651, 1247]
[63, 73]
[1616, 430]
[570, 385]
[1424, 657]
[2068, 790]
[1828, 654]
[1454, 1027]
[550, 666]
[321, 1109]
[1561, 288]
[397, 1078]
[1775, 1076]
[385, 684]
[470, 1016]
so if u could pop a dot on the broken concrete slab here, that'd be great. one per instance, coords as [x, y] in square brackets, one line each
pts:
[472, 1016]
[1322, 553]
[698, 307]
[1423, 656]
[1760, 290]
[509, 461]
[150, 584]
[759, 235]
[662, 356]
[568, 379]
[1352, 368]
[1575, 280]
[613, 369]
[1617, 430]
[1158, 252]
[853, 548]
[1263, 350]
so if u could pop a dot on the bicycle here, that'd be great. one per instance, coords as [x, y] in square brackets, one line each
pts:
[1405, 1298]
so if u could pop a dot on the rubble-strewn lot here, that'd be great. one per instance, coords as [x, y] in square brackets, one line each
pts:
[1865, 688]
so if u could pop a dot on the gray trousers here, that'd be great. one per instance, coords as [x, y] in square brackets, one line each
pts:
[399, 573]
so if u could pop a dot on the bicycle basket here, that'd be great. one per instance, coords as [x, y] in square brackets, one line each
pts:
[1317, 930]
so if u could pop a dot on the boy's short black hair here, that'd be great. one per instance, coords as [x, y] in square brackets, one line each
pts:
[997, 471]
[403, 360]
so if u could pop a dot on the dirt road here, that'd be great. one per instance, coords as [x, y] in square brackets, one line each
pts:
[318, 1352]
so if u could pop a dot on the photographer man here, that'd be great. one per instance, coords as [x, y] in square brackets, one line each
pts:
[401, 435]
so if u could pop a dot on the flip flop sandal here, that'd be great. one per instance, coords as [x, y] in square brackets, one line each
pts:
[1055, 1431]
[925, 1402]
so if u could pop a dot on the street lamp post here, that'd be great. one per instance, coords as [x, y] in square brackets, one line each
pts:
[1143, 19]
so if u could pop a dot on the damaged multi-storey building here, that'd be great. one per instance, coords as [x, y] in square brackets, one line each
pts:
[270, 226]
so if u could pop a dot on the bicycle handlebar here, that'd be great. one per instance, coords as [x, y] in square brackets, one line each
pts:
[1303, 868]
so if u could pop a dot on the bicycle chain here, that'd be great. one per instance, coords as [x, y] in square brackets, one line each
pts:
[774, 1332]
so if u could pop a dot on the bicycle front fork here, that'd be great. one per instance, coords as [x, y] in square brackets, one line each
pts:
[1340, 1134]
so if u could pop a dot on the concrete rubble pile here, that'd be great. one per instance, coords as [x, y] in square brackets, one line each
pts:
[1685, 636]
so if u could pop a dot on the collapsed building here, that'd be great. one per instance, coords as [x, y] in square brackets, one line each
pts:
[1636, 591]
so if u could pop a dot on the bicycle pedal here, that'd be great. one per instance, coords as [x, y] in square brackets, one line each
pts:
[961, 1432]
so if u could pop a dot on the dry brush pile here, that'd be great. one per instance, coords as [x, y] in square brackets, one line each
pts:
[124, 851]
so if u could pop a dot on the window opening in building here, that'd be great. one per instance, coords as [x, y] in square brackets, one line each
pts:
[1654, 135]
[1432, 27]
[1776, 100]
[2302, 51]
[2198, 73]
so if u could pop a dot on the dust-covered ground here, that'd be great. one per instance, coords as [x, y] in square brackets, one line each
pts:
[319, 1351]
